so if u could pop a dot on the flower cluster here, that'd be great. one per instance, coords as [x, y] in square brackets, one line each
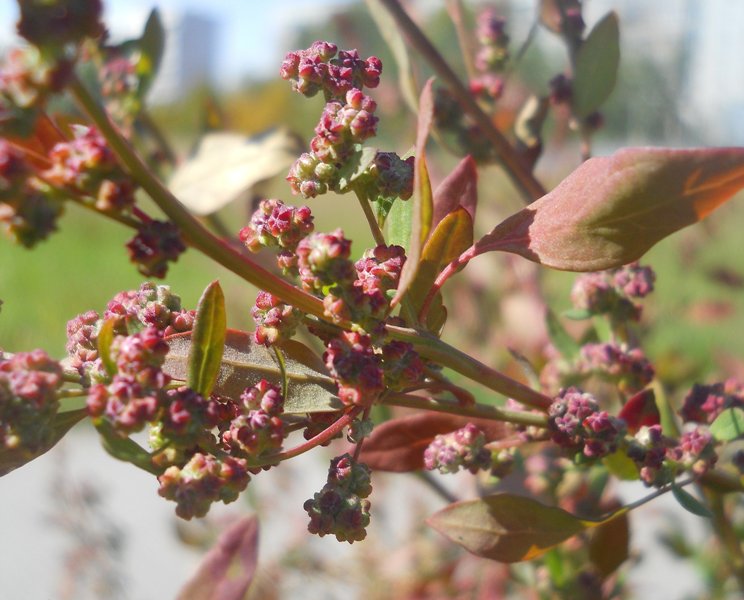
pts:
[627, 368]
[576, 423]
[388, 177]
[341, 508]
[275, 224]
[355, 366]
[275, 320]
[704, 403]
[156, 244]
[461, 449]
[56, 23]
[492, 55]
[29, 382]
[613, 292]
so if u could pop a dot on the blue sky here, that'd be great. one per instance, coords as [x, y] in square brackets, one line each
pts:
[253, 33]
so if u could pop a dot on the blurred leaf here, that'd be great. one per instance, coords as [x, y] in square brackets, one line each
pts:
[550, 12]
[595, 70]
[62, 423]
[151, 46]
[207, 340]
[667, 415]
[577, 314]
[611, 210]
[421, 203]
[227, 570]
[609, 546]
[640, 410]
[390, 32]
[398, 445]
[528, 128]
[690, 503]
[226, 165]
[124, 448]
[459, 188]
[245, 363]
[729, 425]
[104, 340]
[564, 343]
[509, 528]
[621, 466]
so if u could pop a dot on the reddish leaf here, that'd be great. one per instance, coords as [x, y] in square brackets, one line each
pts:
[640, 410]
[398, 445]
[459, 188]
[611, 210]
[422, 197]
[609, 545]
[227, 570]
[509, 528]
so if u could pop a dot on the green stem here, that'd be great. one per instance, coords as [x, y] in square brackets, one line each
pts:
[374, 226]
[442, 353]
[198, 236]
[517, 170]
[478, 411]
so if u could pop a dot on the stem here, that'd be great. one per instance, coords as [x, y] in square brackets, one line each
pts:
[478, 411]
[441, 279]
[516, 168]
[442, 353]
[197, 235]
[456, 13]
[436, 487]
[324, 436]
[374, 226]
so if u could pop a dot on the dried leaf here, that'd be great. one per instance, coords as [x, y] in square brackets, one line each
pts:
[245, 363]
[459, 188]
[207, 340]
[595, 70]
[227, 570]
[611, 210]
[509, 528]
[226, 165]
[398, 445]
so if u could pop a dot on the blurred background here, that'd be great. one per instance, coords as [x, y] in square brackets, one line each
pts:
[680, 84]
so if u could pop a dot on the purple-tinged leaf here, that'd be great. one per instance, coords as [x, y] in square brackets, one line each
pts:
[398, 445]
[459, 188]
[244, 363]
[62, 423]
[207, 340]
[421, 207]
[227, 570]
[509, 528]
[611, 210]
[595, 69]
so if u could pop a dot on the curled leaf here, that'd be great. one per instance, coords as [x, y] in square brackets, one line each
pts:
[611, 210]
[244, 363]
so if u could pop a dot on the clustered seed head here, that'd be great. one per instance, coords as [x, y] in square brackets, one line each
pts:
[491, 33]
[88, 166]
[388, 176]
[156, 244]
[628, 368]
[704, 403]
[352, 362]
[341, 508]
[323, 67]
[13, 171]
[275, 320]
[576, 423]
[29, 382]
[323, 260]
[461, 449]
[612, 292]
[275, 224]
[31, 217]
[402, 365]
[695, 452]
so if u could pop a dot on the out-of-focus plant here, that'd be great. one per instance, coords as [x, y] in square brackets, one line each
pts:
[220, 405]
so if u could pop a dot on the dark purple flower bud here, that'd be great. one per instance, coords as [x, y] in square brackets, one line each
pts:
[629, 369]
[704, 403]
[13, 171]
[59, 22]
[156, 244]
[561, 90]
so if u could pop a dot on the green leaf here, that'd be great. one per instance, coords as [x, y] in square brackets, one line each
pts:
[355, 166]
[207, 340]
[399, 223]
[577, 314]
[151, 46]
[595, 69]
[124, 448]
[61, 424]
[104, 340]
[621, 466]
[227, 570]
[690, 503]
[509, 528]
[566, 345]
[611, 210]
[390, 32]
[729, 425]
[244, 363]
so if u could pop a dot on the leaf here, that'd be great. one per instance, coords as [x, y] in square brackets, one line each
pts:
[104, 340]
[399, 223]
[390, 32]
[245, 363]
[729, 425]
[207, 340]
[151, 47]
[398, 445]
[226, 165]
[508, 528]
[550, 12]
[690, 503]
[640, 410]
[227, 570]
[609, 546]
[450, 238]
[62, 423]
[355, 166]
[459, 188]
[124, 448]
[621, 466]
[566, 345]
[421, 203]
[595, 69]
[611, 210]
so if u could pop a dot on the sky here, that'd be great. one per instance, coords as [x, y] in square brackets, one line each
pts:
[253, 33]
